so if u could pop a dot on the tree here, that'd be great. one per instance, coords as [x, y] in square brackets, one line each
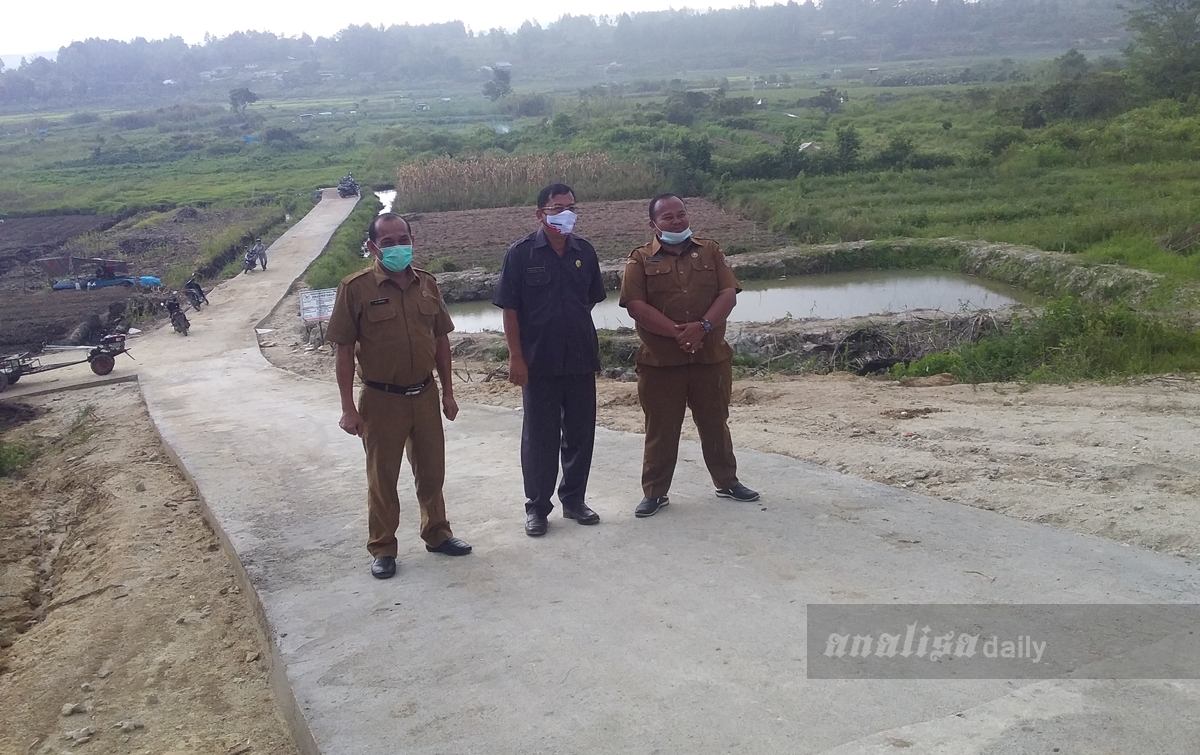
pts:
[241, 97]
[848, 144]
[500, 85]
[1165, 52]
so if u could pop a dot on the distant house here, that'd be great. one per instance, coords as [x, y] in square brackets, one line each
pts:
[503, 65]
[810, 147]
[168, 82]
[445, 99]
[420, 106]
[306, 117]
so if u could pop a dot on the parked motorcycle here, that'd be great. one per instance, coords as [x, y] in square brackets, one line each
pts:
[194, 293]
[178, 319]
[348, 187]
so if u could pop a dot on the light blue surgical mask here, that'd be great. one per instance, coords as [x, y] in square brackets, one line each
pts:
[396, 258]
[672, 239]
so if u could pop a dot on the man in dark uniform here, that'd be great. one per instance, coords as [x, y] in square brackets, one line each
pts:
[548, 285]
[679, 290]
[392, 319]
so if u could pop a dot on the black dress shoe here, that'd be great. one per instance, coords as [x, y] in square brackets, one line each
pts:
[451, 546]
[738, 492]
[650, 506]
[383, 567]
[535, 524]
[581, 514]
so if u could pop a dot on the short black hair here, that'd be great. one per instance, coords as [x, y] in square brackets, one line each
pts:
[373, 229]
[553, 190]
[654, 202]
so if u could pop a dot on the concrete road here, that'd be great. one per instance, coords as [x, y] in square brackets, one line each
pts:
[682, 633]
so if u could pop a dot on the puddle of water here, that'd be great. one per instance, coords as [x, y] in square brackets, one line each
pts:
[862, 292]
[388, 198]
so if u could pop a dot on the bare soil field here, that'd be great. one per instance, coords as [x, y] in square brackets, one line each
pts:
[121, 623]
[479, 238]
[23, 239]
[31, 315]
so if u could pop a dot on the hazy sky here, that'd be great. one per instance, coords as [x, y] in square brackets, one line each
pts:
[28, 26]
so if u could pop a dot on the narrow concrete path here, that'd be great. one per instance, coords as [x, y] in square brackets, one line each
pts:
[682, 633]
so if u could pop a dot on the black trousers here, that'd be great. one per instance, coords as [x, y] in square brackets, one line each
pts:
[560, 420]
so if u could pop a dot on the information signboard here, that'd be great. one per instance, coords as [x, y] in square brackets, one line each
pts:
[317, 305]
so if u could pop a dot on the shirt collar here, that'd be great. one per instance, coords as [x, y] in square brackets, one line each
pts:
[656, 248]
[540, 239]
[381, 276]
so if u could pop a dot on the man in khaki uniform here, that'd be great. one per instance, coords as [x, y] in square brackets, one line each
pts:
[679, 290]
[392, 319]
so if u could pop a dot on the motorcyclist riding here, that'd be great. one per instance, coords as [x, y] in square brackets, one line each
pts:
[195, 293]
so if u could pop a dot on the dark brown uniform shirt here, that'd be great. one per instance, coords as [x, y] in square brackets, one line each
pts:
[395, 329]
[682, 287]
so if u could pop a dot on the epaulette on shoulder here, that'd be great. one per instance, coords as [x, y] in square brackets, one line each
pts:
[355, 275]
[640, 248]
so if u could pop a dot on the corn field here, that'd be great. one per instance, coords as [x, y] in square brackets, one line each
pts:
[447, 183]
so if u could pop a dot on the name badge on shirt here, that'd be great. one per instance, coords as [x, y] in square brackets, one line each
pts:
[536, 269]
[377, 302]
[655, 258]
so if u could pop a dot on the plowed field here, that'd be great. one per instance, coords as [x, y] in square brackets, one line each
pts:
[479, 238]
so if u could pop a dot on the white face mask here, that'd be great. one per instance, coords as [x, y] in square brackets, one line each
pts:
[563, 222]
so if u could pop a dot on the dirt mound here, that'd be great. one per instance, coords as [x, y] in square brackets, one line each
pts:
[185, 214]
[12, 414]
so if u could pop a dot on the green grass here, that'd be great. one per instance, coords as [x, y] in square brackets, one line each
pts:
[1071, 340]
[14, 456]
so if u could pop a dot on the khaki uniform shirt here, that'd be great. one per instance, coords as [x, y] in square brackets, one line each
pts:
[681, 286]
[395, 329]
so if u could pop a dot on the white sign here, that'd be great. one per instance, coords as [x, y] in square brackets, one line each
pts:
[317, 306]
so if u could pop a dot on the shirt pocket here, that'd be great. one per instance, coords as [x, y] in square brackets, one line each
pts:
[380, 313]
[537, 277]
[704, 276]
[659, 279]
[428, 306]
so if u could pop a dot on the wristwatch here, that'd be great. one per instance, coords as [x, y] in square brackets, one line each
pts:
[706, 325]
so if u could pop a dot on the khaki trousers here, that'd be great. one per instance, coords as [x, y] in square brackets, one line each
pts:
[392, 425]
[664, 393]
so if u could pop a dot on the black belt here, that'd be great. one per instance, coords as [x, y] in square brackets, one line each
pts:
[405, 390]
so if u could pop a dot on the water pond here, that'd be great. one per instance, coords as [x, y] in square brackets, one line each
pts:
[862, 292]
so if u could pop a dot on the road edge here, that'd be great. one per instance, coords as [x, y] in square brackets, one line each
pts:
[285, 699]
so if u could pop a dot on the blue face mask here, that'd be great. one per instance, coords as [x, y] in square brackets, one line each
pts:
[396, 258]
[674, 238]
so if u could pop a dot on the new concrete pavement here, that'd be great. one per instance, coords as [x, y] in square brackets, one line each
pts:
[681, 633]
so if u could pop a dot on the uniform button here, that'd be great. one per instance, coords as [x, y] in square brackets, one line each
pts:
[685, 290]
